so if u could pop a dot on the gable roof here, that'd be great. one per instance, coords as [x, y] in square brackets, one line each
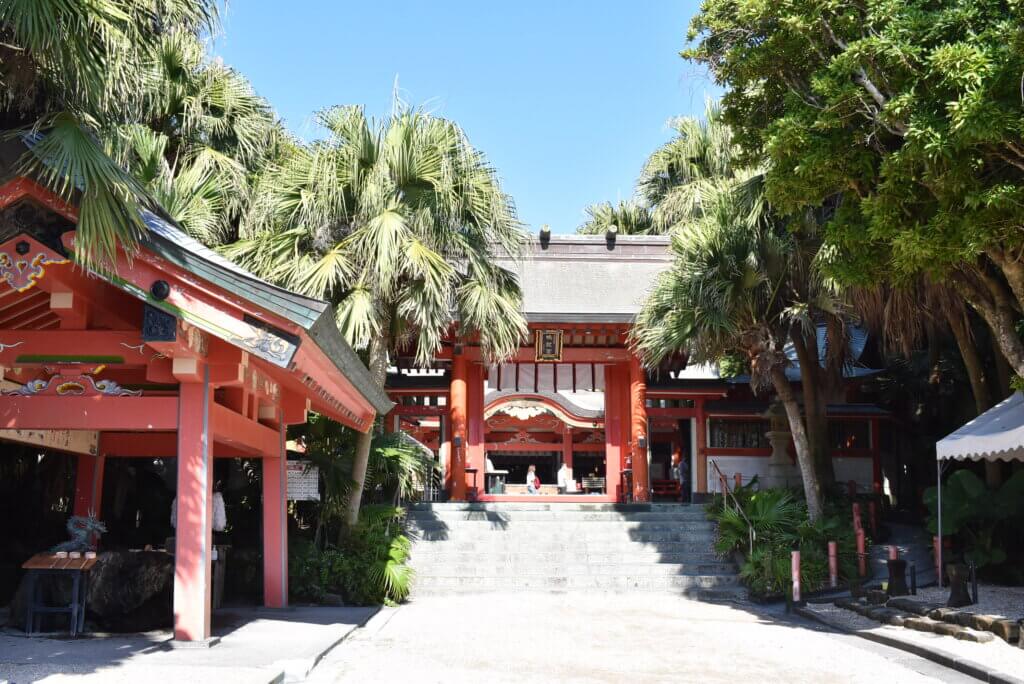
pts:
[584, 278]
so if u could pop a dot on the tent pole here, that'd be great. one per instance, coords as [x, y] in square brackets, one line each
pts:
[938, 551]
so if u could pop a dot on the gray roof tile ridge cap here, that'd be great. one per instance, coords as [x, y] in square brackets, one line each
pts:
[229, 266]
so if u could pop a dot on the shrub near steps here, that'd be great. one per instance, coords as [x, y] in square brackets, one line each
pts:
[465, 548]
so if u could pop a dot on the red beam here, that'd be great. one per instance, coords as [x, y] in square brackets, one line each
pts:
[89, 413]
[569, 355]
[80, 343]
[156, 445]
[235, 430]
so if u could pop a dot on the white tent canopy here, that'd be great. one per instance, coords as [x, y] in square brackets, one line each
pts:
[996, 435]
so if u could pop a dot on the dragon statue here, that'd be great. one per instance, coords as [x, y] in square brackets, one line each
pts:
[85, 534]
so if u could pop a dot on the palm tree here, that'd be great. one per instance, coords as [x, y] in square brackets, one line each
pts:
[205, 135]
[71, 71]
[730, 291]
[678, 177]
[629, 218]
[397, 223]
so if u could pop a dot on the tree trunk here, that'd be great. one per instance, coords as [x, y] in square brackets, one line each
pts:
[812, 488]
[1002, 370]
[972, 361]
[378, 363]
[958, 323]
[815, 404]
[995, 306]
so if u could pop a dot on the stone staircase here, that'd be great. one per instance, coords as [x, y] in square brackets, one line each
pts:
[469, 548]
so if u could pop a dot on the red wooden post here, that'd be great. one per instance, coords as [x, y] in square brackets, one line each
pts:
[862, 569]
[795, 568]
[738, 479]
[723, 483]
[194, 533]
[833, 565]
[937, 550]
[857, 525]
[459, 425]
[638, 428]
[88, 485]
[894, 552]
[275, 529]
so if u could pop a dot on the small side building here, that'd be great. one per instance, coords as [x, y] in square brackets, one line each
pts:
[172, 353]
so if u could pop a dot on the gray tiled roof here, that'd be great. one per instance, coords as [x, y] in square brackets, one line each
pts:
[579, 278]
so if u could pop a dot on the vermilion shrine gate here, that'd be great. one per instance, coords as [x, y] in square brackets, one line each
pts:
[576, 394]
[175, 352]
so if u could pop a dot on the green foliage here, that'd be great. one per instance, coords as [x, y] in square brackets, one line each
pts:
[629, 218]
[979, 517]
[397, 223]
[71, 73]
[367, 567]
[780, 522]
[903, 116]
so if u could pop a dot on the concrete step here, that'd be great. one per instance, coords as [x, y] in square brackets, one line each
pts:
[440, 569]
[527, 539]
[438, 584]
[560, 507]
[424, 554]
[550, 526]
[498, 544]
[557, 516]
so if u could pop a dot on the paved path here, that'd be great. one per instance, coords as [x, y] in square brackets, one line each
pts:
[606, 638]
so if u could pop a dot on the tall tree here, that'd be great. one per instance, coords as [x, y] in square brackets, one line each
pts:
[729, 292]
[397, 223]
[73, 71]
[909, 112]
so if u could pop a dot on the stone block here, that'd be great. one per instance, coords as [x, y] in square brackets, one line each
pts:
[946, 629]
[921, 624]
[973, 635]
[945, 615]
[1007, 630]
[909, 605]
[846, 603]
[896, 619]
[983, 622]
[877, 597]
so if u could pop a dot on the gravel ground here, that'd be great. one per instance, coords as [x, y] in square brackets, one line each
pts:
[1006, 602]
[607, 638]
[996, 654]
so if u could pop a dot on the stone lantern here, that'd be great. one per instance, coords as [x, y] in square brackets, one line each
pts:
[781, 470]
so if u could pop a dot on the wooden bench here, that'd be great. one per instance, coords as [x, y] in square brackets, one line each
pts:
[591, 484]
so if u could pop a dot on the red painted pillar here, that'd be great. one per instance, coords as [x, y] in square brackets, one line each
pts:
[275, 529]
[613, 429]
[475, 424]
[638, 429]
[701, 457]
[89, 485]
[195, 513]
[567, 448]
[459, 438]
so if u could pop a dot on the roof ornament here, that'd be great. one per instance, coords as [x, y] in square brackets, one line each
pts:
[545, 236]
[609, 236]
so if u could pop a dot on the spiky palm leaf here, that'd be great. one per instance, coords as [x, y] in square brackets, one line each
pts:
[628, 217]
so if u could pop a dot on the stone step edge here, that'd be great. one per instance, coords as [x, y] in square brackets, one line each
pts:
[962, 665]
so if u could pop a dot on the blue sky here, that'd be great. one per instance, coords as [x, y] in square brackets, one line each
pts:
[567, 98]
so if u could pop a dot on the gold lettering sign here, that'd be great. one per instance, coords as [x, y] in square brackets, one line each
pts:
[548, 345]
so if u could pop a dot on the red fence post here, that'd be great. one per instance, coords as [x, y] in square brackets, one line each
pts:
[738, 479]
[857, 525]
[861, 558]
[795, 561]
[833, 564]
[894, 552]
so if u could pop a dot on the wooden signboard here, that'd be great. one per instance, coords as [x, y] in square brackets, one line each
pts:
[548, 345]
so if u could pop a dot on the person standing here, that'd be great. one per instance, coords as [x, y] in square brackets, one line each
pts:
[532, 481]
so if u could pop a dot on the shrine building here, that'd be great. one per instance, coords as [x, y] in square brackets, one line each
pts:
[173, 352]
[575, 394]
